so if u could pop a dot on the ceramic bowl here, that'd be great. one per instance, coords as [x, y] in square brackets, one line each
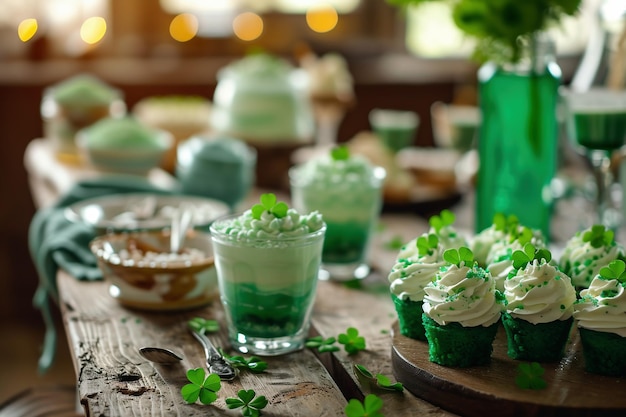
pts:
[144, 274]
[125, 160]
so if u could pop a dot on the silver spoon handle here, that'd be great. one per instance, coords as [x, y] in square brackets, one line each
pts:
[215, 362]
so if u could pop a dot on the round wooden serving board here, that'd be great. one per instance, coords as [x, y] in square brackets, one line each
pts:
[491, 389]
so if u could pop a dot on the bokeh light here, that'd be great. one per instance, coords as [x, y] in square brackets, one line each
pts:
[322, 18]
[27, 29]
[248, 26]
[93, 30]
[184, 27]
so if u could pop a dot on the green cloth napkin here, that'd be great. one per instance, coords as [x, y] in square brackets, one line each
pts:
[56, 242]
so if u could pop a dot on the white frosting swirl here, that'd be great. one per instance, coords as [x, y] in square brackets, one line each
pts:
[347, 190]
[449, 237]
[246, 228]
[582, 262]
[539, 293]
[482, 242]
[464, 295]
[602, 307]
[409, 276]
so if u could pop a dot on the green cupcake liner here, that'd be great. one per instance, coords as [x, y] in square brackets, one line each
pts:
[543, 342]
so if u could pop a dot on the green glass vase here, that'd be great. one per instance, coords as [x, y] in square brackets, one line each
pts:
[518, 138]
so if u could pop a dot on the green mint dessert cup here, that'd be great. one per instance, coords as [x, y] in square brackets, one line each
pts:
[543, 342]
[267, 287]
[409, 318]
[350, 213]
[453, 345]
[604, 353]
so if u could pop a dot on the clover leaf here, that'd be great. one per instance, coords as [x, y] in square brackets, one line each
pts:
[200, 325]
[322, 345]
[460, 257]
[395, 243]
[523, 235]
[248, 402]
[351, 340]
[426, 245]
[340, 153]
[530, 376]
[505, 224]
[598, 236]
[368, 408]
[203, 388]
[379, 380]
[445, 218]
[253, 364]
[521, 258]
[615, 270]
[268, 203]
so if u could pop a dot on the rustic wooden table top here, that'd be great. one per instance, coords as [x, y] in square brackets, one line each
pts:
[113, 379]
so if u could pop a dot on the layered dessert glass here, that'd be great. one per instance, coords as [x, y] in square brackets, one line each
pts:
[267, 272]
[347, 191]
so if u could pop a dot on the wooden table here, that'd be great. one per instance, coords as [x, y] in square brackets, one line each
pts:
[114, 380]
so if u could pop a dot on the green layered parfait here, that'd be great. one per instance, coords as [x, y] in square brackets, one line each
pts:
[347, 191]
[267, 260]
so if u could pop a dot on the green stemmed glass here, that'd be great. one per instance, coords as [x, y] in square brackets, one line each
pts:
[596, 124]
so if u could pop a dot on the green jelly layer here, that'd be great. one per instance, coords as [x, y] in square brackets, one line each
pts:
[345, 242]
[267, 315]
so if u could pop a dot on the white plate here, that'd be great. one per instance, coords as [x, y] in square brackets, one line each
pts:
[142, 211]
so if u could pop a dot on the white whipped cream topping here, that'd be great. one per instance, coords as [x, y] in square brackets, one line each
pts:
[449, 237]
[482, 242]
[602, 307]
[465, 295]
[500, 262]
[246, 227]
[348, 190]
[582, 262]
[409, 276]
[539, 293]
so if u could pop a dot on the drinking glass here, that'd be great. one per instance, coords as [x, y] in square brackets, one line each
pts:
[596, 123]
[350, 211]
[267, 286]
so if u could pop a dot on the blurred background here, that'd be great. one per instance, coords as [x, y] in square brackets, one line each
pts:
[398, 59]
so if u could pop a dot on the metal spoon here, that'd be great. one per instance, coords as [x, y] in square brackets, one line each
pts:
[215, 362]
[159, 355]
[181, 220]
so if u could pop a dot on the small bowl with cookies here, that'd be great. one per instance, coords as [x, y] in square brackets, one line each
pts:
[144, 273]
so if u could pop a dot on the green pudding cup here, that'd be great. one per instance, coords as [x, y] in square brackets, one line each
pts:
[267, 287]
[351, 214]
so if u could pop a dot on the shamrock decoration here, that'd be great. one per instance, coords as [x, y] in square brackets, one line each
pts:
[368, 408]
[461, 257]
[200, 387]
[445, 218]
[615, 270]
[269, 204]
[504, 223]
[200, 325]
[253, 364]
[250, 406]
[322, 345]
[340, 153]
[426, 245]
[351, 340]
[598, 236]
[378, 380]
[523, 235]
[521, 258]
[530, 376]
